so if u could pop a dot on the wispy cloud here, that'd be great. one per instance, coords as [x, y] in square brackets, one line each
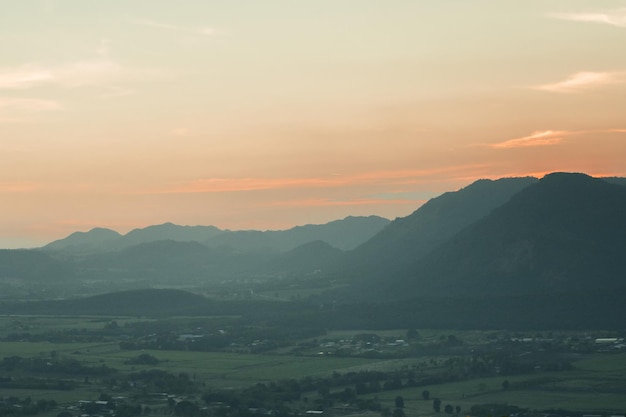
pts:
[17, 110]
[541, 138]
[392, 177]
[323, 202]
[615, 17]
[17, 186]
[546, 138]
[28, 104]
[198, 31]
[582, 81]
[24, 76]
[70, 75]
[97, 70]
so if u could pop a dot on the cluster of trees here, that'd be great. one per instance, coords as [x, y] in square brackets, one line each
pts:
[14, 406]
[156, 380]
[53, 365]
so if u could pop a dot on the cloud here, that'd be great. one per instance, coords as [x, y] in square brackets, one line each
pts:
[581, 81]
[202, 31]
[392, 177]
[541, 138]
[74, 74]
[13, 109]
[28, 104]
[547, 138]
[616, 17]
[324, 202]
[97, 70]
[22, 77]
[17, 186]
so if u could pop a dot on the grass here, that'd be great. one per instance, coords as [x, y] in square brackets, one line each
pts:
[597, 382]
[586, 388]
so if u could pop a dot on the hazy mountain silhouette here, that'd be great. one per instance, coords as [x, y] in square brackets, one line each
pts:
[310, 258]
[153, 302]
[513, 252]
[567, 232]
[343, 234]
[170, 231]
[94, 240]
[162, 261]
[409, 238]
[615, 180]
[32, 266]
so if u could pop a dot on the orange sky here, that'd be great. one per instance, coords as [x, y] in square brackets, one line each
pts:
[272, 114]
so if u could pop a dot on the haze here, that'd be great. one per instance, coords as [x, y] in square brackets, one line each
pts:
[270, 114]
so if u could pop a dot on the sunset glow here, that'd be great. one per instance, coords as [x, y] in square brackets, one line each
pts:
[278, 113]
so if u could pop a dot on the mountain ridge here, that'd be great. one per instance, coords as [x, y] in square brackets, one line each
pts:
[344, 234]
[566, 231]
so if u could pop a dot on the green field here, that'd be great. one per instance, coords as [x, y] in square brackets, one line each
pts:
[596, 382]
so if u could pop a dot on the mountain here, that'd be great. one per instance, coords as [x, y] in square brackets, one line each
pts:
[170, 231]
[32, 267]
[162, 261]
[91, 241]
[308, 259]
[615, 180]
[409, 238]
[153, 302]
[567, 232]
[342, 234]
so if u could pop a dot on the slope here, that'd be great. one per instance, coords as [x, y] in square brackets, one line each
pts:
[565, 233]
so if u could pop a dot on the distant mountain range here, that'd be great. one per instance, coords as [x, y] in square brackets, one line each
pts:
[512, 252]
[343, 234]
[563, 233]
[175, 255]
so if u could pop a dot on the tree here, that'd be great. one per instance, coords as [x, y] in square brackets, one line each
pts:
[437, 404]
[458, 410]
[347, 395]
[426, 395]
[505, 384]
[186, 408]
[412, 334]
[399, 402]
[448, 409]
[398, 412]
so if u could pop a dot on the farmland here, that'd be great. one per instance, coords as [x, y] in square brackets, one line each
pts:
[86, 359]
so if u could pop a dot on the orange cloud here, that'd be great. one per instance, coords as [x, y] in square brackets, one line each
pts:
[581, 81]
[542, 138]
[17, 186]
[322, 202]
[218, 185]
[547, 137]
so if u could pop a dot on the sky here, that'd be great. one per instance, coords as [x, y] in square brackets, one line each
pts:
[270, 114]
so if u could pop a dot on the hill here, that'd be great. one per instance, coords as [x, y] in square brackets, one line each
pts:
[409, 238]
[343, 234]
[308, 259]
[567, 232]
[82, 242]
[151, 302]
[32, 266]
